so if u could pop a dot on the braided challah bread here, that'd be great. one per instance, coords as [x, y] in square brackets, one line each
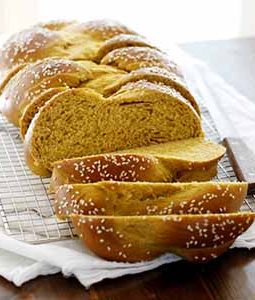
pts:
[96, 101]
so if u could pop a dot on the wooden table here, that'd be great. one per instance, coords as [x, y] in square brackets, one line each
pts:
[231, 276]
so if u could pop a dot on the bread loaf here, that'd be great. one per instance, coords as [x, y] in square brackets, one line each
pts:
[144, 198]
[187, 160]
[197, 238]
[81, 90]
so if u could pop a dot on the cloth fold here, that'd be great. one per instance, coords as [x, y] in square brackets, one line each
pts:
[21, 262]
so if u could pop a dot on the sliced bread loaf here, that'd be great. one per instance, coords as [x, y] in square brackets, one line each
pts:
[186, 160]
[143, 115]
[197, 238]
[144, 198]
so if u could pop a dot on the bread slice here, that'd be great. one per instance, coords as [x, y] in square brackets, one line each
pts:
[144, 115]
[186, 160]
[155, 75]
[197, 238]
[146, 198]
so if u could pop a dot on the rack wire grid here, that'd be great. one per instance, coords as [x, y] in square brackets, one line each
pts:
[26, 208]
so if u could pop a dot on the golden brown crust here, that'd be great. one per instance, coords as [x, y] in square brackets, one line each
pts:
[66, 172]
[29, 46]
[118, 167]
[121, 41]
[198, 238]
[57, 39]
[127, 198]
[133, 58]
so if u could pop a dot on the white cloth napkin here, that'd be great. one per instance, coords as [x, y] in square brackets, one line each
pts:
[21, 262]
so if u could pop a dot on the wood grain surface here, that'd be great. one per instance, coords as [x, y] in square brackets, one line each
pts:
[230, 277]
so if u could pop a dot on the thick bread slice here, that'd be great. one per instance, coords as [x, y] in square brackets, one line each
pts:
[138, 117]
[144, 198]
[133, 58]
[121, 41]
[186, 160]
[156, 75]
[33, 107]
[37, 78]
[197, 238]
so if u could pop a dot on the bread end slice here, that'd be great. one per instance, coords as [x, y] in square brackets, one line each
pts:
[197, 238]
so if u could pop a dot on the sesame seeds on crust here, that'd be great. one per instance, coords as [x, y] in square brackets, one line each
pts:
[101, 29]
[124, 167]
[132, 58]
[127, 198]
[27, 46]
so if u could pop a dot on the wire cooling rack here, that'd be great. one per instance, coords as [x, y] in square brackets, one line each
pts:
[26, 208]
